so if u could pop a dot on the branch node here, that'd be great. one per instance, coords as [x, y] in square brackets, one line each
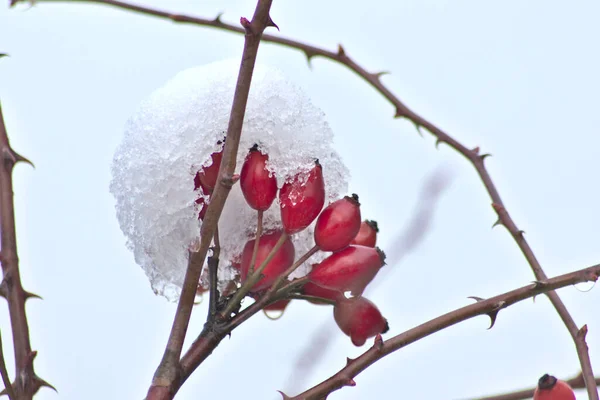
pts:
[378, 342]
[350, 382]
[246, 25]
[582, 333]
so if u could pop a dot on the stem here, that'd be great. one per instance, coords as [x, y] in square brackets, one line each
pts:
[213, 269]
[26, 381]
[251, 280]
[169, 371]
[259, 228]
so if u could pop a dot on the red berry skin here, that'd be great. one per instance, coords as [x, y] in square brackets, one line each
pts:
[367, 234]
[258, 185]
[350, 269]
[359, 318]
[208, 175]
[310, 289]
[550, 388]
[301, 203]
[283, 259]
[280, 305]
[338, 224]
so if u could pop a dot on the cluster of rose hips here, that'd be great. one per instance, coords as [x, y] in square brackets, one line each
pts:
[354, 261]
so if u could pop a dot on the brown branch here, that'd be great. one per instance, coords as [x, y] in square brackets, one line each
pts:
[477, 160]
[490, 307]
[27, 383]
[575, 383]
[168, 373]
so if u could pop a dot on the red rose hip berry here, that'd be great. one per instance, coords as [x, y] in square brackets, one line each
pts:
[258, 185]
[367, 234]
[550, 388]
[301, 201]
[360, 319]
[282, 260]
[350, 269]
[338, 224]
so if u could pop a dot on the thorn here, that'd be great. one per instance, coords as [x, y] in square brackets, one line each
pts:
[521, 233]
[349, 361]
[283, 395]
[492, 316]
[350, 382]
[217, 19]
[246, 25]
[11, 155]
[42, 383]
[418, 128]
[484, 156]
[29, 295]
[437, 143]
[4, 55]
[477, 299]
[498, 222]
[476, 150]
[378, 75]
[341, 51]
[271, 23]
[378, 343]
[538, 284]
[399, 113]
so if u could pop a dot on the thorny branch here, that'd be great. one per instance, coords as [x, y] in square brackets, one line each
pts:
[402, 111]
[168, 372]
[27, 383]
[575, 383]
[490, 307]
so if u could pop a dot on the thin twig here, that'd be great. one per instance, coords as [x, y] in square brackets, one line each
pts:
[490, 307]
[169, 370]
[575, 383]
[5, 378]
[213, 269]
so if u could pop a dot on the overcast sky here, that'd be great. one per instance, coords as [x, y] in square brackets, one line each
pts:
[517, 78]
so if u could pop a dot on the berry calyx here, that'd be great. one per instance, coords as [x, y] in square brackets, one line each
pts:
[258, 185]
[350, 269]
[282, 260]
[550, 388]
[367, 234]
[359, 318]
[301, 201]
[338, 224]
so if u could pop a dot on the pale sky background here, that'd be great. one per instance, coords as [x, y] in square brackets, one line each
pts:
[518, 78]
